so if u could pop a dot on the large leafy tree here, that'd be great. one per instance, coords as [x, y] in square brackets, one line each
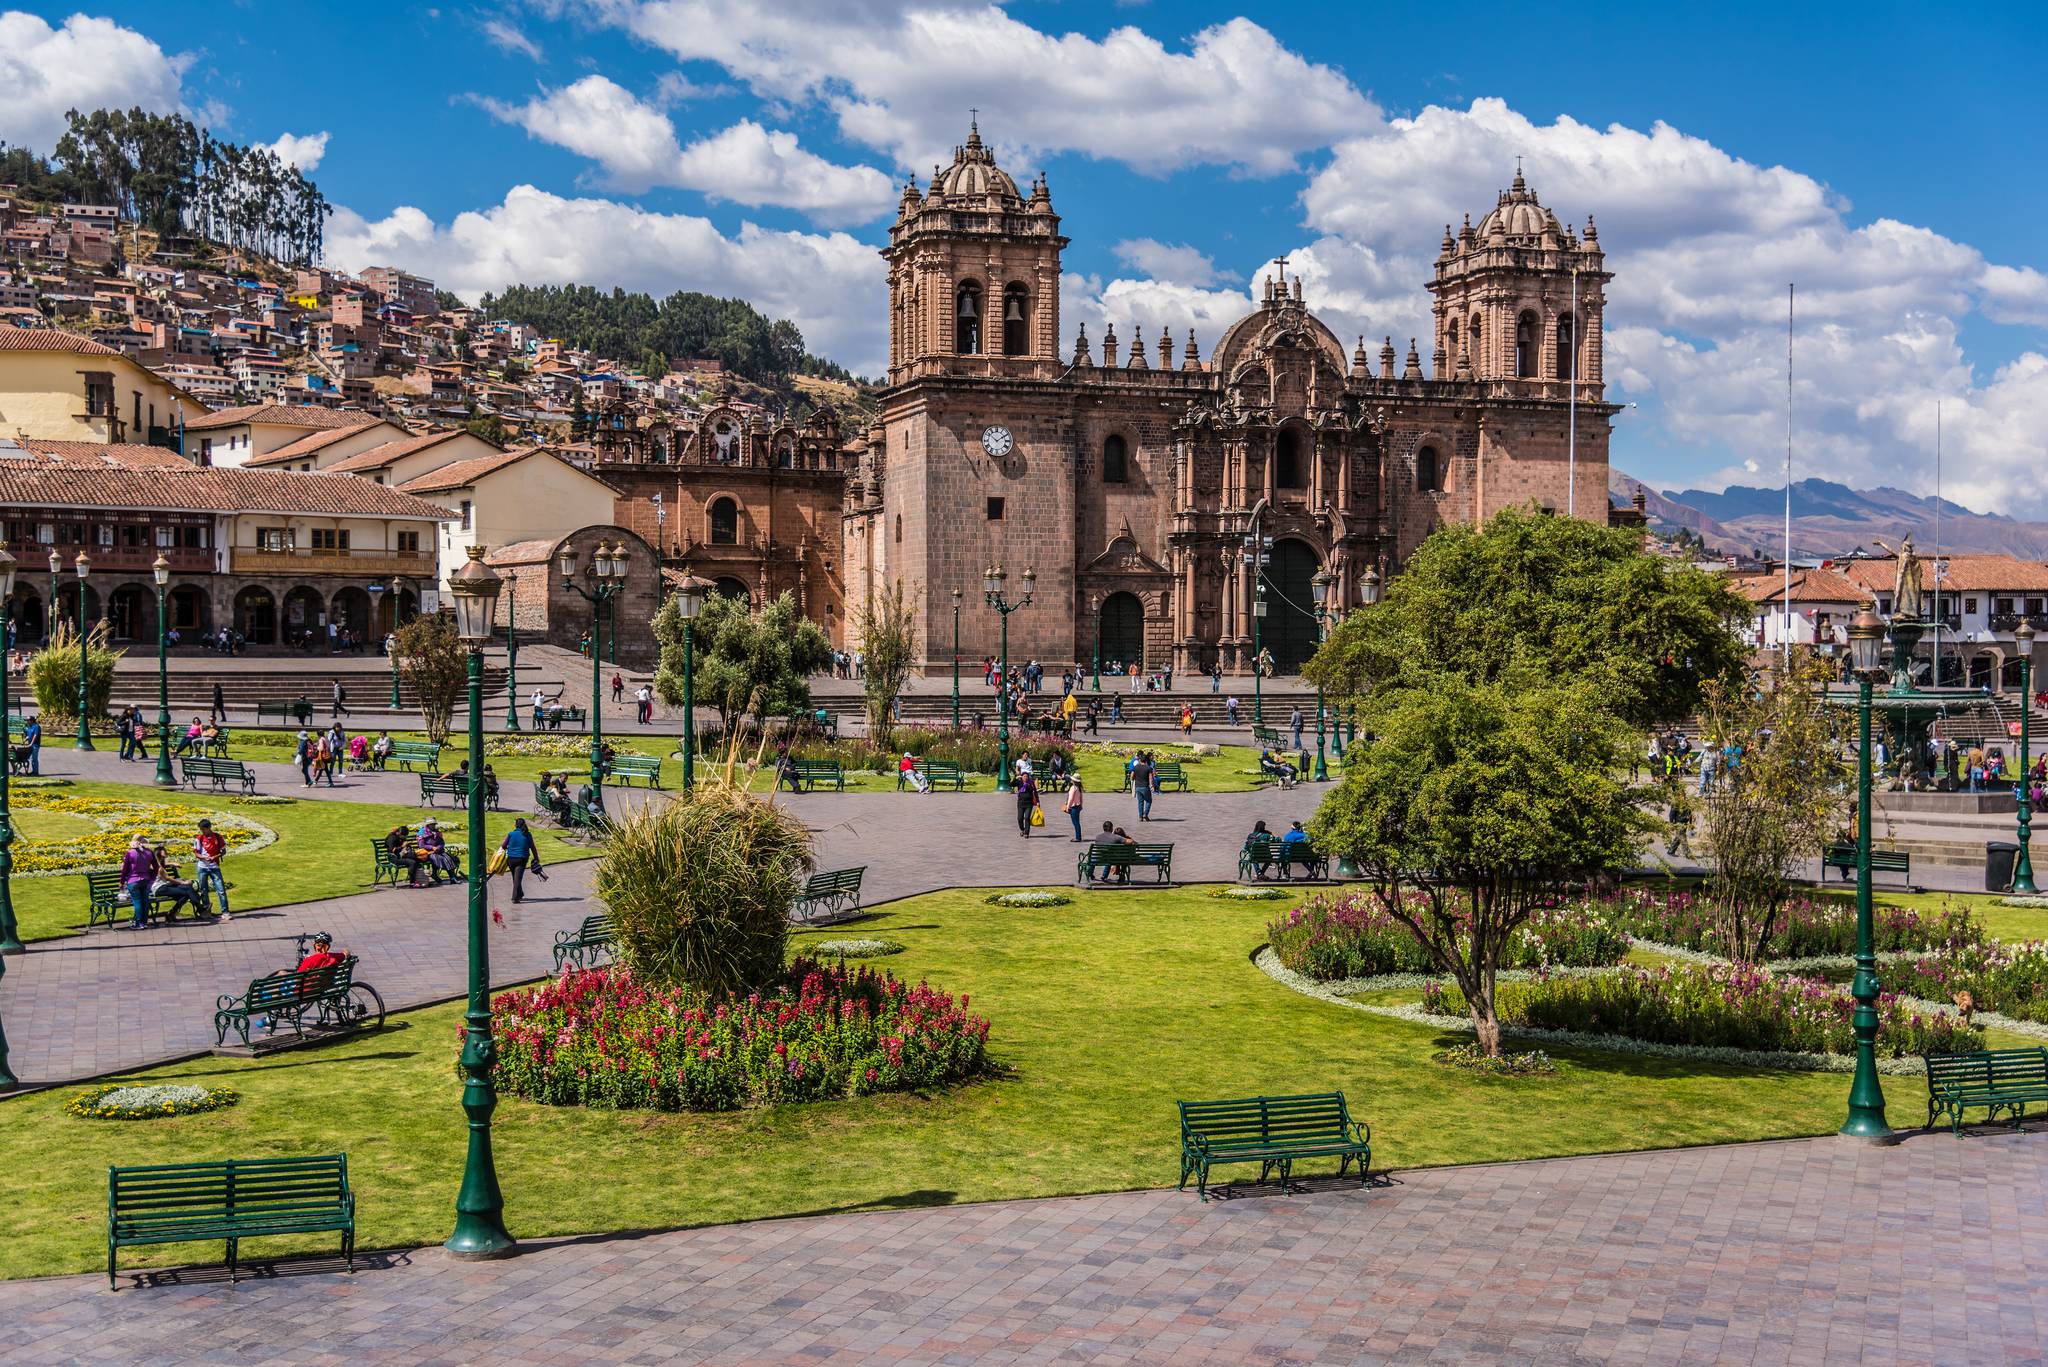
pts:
[745, 663]
[888, 645]
[1478, 803]
[1530, 598]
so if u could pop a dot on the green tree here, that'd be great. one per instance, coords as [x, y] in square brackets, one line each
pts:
[489, 426]
[436, 664]
[887, 627]
[1786, 793]
[1478, 803]
[745, 663]
[1531, 598]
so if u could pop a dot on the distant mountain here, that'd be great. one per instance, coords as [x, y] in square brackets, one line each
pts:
[1832, 519]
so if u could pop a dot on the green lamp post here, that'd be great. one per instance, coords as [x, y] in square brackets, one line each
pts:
[1095, 610]
[1319, 585]
[1866, 1097]
[161, 572]
[479, 1205]
[607, 575]
[397, 603]
[2023, 870]
[1257, 551]
[10, 937]
[84, 742]
[956, 659]
[1368, 594]
[512, 653]
[690, 596]
[992, 594]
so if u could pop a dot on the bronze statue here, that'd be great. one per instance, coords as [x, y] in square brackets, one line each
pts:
[1908, 596]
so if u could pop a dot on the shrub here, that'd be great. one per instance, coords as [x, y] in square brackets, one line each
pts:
[700, 888]
[608, 1038]
[1717, 1005]
[2011, 979]
[1348, 935]
[1806, 928]
[53, 675]
[974, 751]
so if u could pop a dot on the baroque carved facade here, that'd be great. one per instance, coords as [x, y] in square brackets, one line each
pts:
[1130, 484]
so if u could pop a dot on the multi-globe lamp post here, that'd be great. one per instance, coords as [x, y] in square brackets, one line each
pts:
[1319, 585]
[1866, 1096]
[84, 742]
[2023, 869]
[1095, 661]
[10, 937]
[690, 596]
[607, 574]
[512, 653]
[479, 1205]
[161, 572]
[1258, 550]
[992, 594]
[1368, 594]
[397, 602]
[956, 659]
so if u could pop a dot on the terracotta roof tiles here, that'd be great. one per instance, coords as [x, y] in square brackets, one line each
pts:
[100, 453]
[216, 490]
[378, 457]
[308, 445]
[1966, 574]
[306, 415]
[50, 339]
[462, 473]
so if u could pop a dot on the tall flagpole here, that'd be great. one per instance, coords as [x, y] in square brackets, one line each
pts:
[1785, 635]
[1938, 576]
[1571, 488]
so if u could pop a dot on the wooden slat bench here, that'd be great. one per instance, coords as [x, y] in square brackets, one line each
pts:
[285, 999]
[1842, 855]
[1268, 738]
[836, 892]
[107, 899]
[1276, 852]
[232, 1200]
[455, 786]
[1271, 1131]
[939, 773]
[287, 712]
[630, 767]
[1123, 858]
[812, 772]
[1995, 1079]
[406, 753]
[219, 772]
[583, 945]
[555, 718]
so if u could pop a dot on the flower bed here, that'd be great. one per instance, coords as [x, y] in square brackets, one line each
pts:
[601, 1038]
[1250, 894]
[1028, 899]
[119, 819]
[126, 1101]
[1808, 928]
[854, 949]
[1347, 935]
[2011, 979]
[1717, 1006]
[1472, 1059]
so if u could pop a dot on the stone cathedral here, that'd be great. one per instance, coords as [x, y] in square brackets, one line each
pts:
[1127, 474]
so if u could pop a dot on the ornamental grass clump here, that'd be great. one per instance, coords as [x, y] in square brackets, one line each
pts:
[1804, 928]
[1718, 1006]
[608, 1038]
[700, 888]
[1349, 935]
[2011, 979]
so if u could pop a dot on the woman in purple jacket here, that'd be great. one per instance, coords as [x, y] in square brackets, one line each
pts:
[138, 871]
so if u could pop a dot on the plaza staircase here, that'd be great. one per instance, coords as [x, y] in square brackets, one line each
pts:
[245, 682]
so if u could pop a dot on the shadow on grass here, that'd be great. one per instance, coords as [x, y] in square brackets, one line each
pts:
[278, 1062]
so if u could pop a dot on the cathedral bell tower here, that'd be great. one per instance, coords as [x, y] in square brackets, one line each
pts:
[974, 274]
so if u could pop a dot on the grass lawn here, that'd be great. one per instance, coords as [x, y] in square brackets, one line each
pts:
[321, 850]
[1105, 1012]
[1236, 770]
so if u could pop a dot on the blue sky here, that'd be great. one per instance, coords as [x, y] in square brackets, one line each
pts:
[1885, 157]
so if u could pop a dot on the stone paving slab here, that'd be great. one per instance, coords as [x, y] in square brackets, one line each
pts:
[1813, 1251]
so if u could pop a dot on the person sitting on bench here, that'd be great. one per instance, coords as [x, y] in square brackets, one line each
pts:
[1261, 832]
[1112, 834]
[398, 844]
[1275, 766]
[324, 955]
[785, 771]
[191, 741]
[434, 852]
[907, 770]
[168, 889]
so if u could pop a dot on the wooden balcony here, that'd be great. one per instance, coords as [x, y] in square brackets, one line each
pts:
[357, 563]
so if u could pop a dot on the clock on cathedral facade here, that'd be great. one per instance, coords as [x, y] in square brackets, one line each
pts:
[1129, 480]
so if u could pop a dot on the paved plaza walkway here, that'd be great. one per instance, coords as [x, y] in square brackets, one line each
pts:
[1810, 1251]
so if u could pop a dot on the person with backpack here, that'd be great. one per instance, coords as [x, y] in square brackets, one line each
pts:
[207, 850]
[1027, 802]
[521, 852]
[304, 755]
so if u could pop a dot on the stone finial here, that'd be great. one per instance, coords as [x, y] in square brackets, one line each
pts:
[1439, 361]
[1081, 356]
[1387, 359]
[1413, 369]
[1190, 358]
[1360, 366]
[1137, 357]
[1465, 362]
[1592, 233]
[1109, 344]
[1465, 234]
[1449, 244]
[1165, 349]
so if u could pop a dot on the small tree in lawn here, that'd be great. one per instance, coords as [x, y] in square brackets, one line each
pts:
[1781, 791]
[888, 643]
[743, 662]
[436, 664]
[53, 673]
[1477, 804]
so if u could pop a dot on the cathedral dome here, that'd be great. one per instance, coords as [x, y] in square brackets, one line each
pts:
[974, 173]
[1519, 215]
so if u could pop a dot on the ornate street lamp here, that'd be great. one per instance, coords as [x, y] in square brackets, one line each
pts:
[161, 572]
[992, 594]
[1368, 594]
[1866, 1097]
[956, 659]
[479, 1206]
[10, 937]
[512, 651]
[1095, 610]
[84, 741]
[1257, 551]
[1319, 585]
[50, 613]
[607, 574]
[690, 596]
[397, 605]
[2023, 871]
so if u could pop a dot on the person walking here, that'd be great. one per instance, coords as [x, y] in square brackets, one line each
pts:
[1072, 806]
[1216, 676]
[618, 686]
[1230, 707]
[124, 730]
[138, 871]
[306, 754]
[1187, 719]
[521, 852]
[1027, 802]
[1294, 720]
[207, 850]
[340, 700]
[1141, 784]
[220, 704]
[32, 741]
[645, 699]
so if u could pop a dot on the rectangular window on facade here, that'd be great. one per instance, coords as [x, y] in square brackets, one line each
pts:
[166, 537]
[1969, 605]
[995, 510]
[409, 541]
[2033, 605]
[270, 538]
[465, 514]
[2002, 605]
[46, 532]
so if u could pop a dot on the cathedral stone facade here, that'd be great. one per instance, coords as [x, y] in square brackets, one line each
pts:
[1129, 482]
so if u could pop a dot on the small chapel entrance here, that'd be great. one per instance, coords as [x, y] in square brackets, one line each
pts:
[1123, 629]
[1289, 630]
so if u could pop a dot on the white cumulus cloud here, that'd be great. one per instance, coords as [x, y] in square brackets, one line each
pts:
[86, 64]
[1179, 264]
[303, 151]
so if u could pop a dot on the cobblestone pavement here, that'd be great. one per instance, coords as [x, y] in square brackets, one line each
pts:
[1811, 1251]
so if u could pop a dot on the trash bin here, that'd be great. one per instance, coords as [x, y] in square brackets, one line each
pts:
[1999, 858]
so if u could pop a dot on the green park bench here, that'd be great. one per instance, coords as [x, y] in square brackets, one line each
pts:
[1273, 852]
[107, 899]
[456, 787]
[1122, 858]
[827, 726]
[629, 767]
[291, 999]
[1166, 773]
[230, 1200]
[555, 718]
[812, 772]
[1995, 1079]
[583, 945]
[836, 893]
[1271, 1131]
[300, 711]
[219, 772]
[939, 773]
[1842, 855]
[385, 864]
[406, 753]
[1268, 738]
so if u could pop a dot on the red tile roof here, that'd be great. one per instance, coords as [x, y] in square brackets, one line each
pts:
[522, 553]
[306, 415]
[1966, 574]
[1808, 586]
[100, 453]
[462, 473]
[50, 339]
[378, 457]
[216, 490]
[309, 444]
